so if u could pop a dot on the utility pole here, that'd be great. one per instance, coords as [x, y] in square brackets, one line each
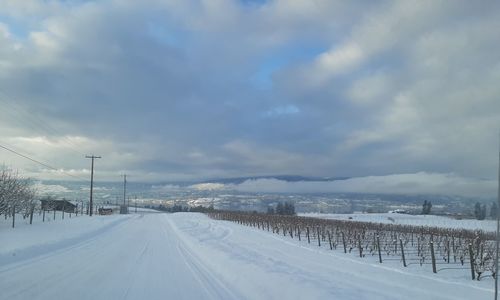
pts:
[91, 179]
[124, 207]
[124, 188]
[498, 226]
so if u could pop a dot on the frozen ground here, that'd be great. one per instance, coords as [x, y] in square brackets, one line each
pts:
[405, 219]
[189, 256]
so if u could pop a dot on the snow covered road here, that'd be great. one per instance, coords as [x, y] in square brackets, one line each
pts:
[139, 259]
[189, 256]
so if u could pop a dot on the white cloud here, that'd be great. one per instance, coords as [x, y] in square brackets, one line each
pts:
[49, 189]
[207, 186]
[340, 60]
[417, 183]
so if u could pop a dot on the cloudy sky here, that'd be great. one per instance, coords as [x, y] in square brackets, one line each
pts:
[193, 89]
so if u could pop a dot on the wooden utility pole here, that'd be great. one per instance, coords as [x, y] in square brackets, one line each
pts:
[124, 189]
[91, 180]
[124, 207]
[498, 230]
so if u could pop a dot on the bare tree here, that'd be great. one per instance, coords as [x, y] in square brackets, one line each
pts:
[16, 193]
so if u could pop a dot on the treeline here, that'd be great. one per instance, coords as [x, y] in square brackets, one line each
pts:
[281, 208]
[17, 194]
[480, 211]
[181, 208]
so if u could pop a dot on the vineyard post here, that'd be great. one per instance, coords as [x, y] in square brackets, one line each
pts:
[471, 255]
[63, 209]
[343, 242]
[13, 216]
[298, 231]
[43, 218]
[330, 240]
[308, 238]
[402, 252]
[31, 213]
[453, 247]
[291, 232]
[378, 248]
[359, 246]
[448, 249]
[54, 213]
[433, 258]
[395, 245]
[317, 235]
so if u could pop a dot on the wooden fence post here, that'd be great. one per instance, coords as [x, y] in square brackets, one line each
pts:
[343, 242]
[317, 235]
[378, 248]
[453, 247]
[330, 239]
[448, 249]
[402, 252]
[43, 218]
[433, 258]
[31, 214]
[308, 238]
[471, 255]
[359, 246]
[13, 216]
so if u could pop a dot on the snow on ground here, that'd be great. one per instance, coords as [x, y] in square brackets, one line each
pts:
[405, 219]
[25, 241]
[189, 256]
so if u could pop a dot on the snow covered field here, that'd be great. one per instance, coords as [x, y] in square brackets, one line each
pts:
[189, 256]
[405, 219]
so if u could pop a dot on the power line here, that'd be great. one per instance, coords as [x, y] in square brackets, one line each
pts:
[40, 163]
[35, 122]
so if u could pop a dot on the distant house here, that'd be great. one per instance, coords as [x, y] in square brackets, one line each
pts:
[60, 205]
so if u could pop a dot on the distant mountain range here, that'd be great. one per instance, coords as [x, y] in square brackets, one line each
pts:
[288, 178]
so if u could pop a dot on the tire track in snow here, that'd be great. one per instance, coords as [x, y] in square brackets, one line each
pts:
[212, 284]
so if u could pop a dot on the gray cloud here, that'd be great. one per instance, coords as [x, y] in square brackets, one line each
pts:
[167, 89]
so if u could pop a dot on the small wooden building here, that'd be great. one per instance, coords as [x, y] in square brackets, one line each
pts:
[59, 205]
[105, 211]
